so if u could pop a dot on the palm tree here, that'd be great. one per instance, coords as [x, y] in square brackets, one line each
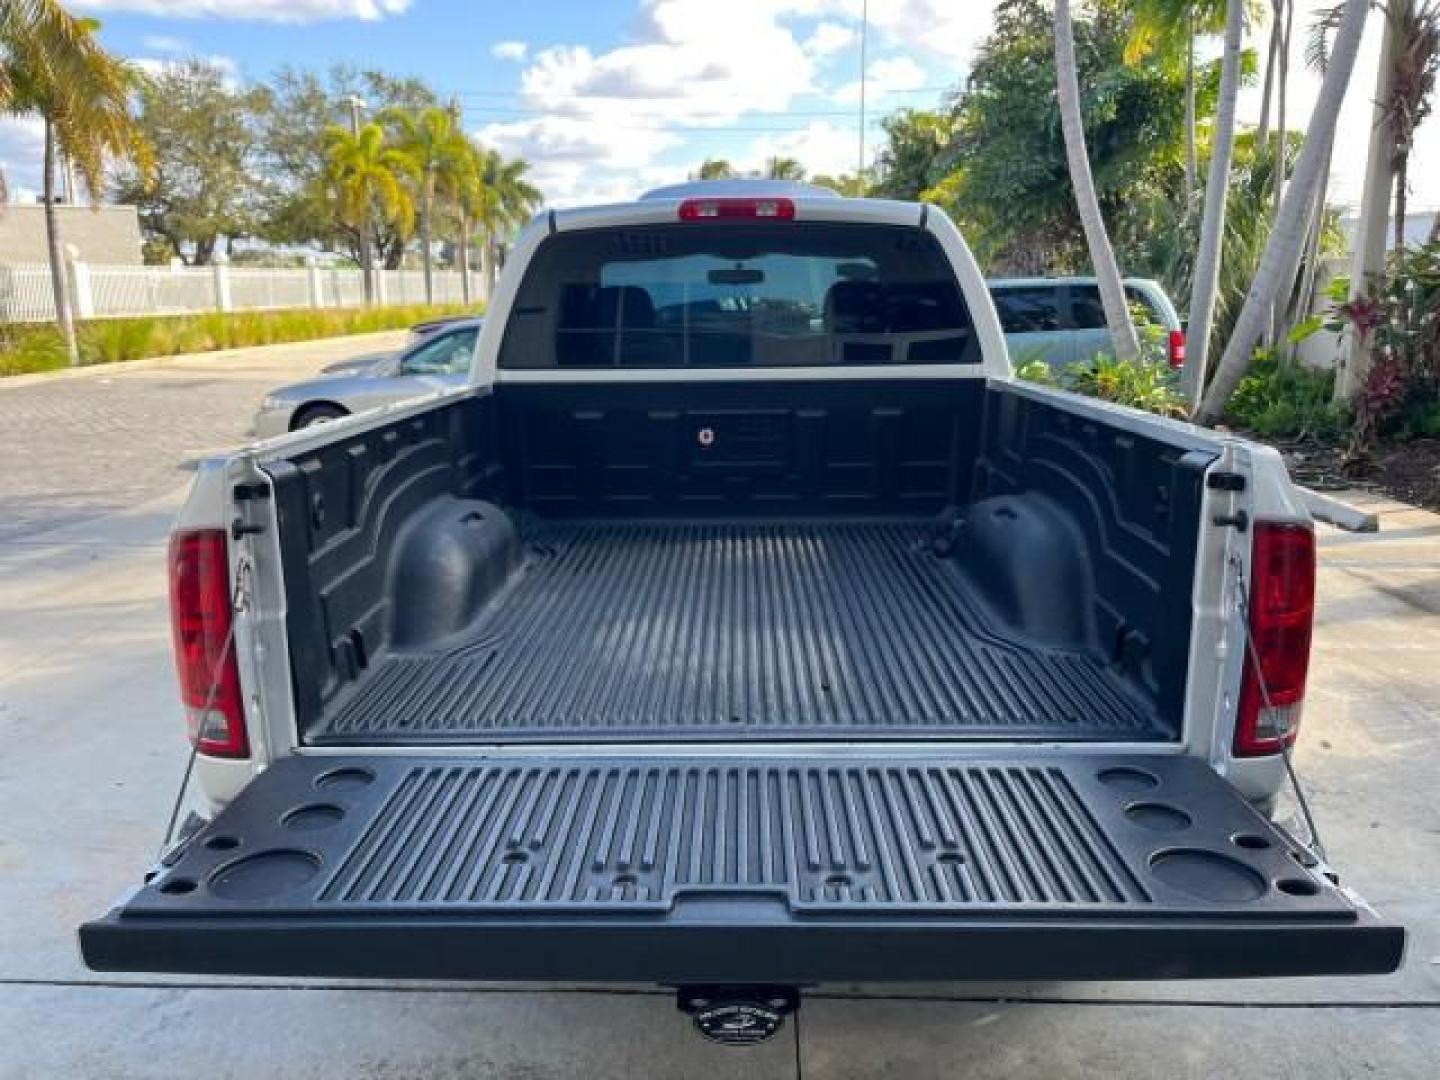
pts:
[1165, 27]
[470, 196]
[1212, 228]
[51, 64]
[1289, 231]
[437, 148]
[715, 169]
[784, 168]
[1410, 87]
[1102, 255]
[365, 175]
[509, 199]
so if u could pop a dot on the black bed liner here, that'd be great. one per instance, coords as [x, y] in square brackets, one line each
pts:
[696, 869]
[702, 630]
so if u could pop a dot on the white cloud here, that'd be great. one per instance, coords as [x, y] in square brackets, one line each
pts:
[300, 11]
[163, 43]
[893, 75]
[228, 69]
[509, 50]
[948, 29]
[22, 142]
[830, 37]
[609, 115]
[821, 147]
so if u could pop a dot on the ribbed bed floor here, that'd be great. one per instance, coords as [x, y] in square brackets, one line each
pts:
[670, 631]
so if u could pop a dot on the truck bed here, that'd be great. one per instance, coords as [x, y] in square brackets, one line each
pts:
[734, 630]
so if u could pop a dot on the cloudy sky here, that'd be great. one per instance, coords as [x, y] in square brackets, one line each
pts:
[609, 97]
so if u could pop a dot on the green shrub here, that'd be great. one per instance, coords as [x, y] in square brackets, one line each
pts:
[1037, 371]
[1148, 385]
[30, 348]
[1284, 399]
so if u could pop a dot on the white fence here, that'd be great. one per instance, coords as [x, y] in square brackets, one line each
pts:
[109, 292]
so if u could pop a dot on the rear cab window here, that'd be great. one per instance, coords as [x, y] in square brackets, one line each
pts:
[1088, 311]
[765, 294]
[1027, 309]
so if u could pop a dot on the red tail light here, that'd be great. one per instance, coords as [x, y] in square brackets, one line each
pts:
[200, 617]
[1282, 609]
[736, 209]
[1176, 349]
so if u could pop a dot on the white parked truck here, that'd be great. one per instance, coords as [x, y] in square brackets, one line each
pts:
[743, 625]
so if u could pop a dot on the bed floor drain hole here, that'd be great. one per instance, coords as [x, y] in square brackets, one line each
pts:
[838, 881]
[222, 843]
[1297, 887]
[952, 858]
[514, 857]
[178, 886]
[624, 881]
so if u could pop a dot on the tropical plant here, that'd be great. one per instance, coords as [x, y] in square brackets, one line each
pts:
[1140, 384]
[508, 199]
[1167, 28]
[1147, 384]
[367, 178]
[715, 169]
[1212, 229]
[1102, 255]
[298, 208]
[1400, 393]
[52, 65]
[1410, 88]
[1289, 231]
[917, 152]
[784, 168]
[854, 185]
[993, 154]
[440, 153]
[1281, 398]
[207, 183]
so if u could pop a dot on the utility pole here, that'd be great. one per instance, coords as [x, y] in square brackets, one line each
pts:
[864, 27]
[1367, 258]
[367, 270]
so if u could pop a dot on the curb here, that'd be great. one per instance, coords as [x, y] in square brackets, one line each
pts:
[15, 382]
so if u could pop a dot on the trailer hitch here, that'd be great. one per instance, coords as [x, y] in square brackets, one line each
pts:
[738, 1015]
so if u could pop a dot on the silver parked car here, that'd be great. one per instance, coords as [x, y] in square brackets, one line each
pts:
[1062, 322]
[437, 359]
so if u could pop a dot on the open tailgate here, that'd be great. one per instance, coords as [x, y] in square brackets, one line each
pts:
[777, 869]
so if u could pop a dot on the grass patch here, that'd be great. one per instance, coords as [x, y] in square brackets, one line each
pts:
[28, 348]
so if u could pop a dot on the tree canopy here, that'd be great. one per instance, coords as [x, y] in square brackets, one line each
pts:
[204, 134]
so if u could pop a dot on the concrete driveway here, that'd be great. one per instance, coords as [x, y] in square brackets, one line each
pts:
[91, 470]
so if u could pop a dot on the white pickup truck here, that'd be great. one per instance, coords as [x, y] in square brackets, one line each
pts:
[743, 624]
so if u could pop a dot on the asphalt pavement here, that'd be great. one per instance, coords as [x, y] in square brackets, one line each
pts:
[91, 470]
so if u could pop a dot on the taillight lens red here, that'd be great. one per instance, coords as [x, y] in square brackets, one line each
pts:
[200, 618]
[1176, 349]
[732, 209]
[1282, 611]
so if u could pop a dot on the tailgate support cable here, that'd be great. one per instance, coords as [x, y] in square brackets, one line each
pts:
[239, 603]
[1317, 848]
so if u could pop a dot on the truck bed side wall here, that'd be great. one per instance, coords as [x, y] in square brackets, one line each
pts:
[1135, 499]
